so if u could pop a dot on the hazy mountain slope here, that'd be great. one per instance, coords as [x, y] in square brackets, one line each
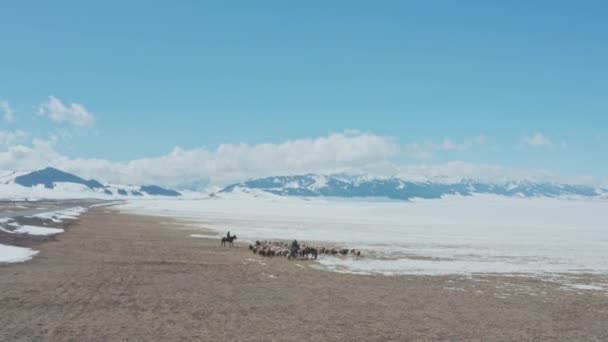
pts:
[58, 183]
[397, 188]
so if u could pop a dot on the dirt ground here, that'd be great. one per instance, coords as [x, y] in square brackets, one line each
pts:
[120, 277]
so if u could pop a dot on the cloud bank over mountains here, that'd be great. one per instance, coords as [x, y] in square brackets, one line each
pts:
[227, 163]
[347, 152]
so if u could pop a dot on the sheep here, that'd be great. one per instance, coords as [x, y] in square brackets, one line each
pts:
[269, 248]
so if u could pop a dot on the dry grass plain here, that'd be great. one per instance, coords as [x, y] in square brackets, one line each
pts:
[119, 277]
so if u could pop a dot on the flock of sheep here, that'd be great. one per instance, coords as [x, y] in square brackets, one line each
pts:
[282, 248]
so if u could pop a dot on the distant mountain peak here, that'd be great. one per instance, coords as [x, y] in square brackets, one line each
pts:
[50, 177]
[341, 185]
[155, 190]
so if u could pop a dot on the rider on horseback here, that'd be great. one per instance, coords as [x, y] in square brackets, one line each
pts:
[229, 239]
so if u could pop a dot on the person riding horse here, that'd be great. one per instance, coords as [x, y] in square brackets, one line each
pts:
[228, 240]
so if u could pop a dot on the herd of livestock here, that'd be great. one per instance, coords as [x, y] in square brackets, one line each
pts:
[282, 248]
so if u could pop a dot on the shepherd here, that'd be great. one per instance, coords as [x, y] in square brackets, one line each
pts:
[294, 249]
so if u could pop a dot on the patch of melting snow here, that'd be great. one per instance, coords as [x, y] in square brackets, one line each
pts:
[9, 254]
[35, 230]
[59, 215]
[31, 230]
[203, 236]
[593, 287]
[256, 261]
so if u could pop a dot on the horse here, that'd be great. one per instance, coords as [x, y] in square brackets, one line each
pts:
[229, 240]
[310, 251]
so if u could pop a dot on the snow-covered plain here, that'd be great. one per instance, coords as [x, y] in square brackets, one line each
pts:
[453, 235]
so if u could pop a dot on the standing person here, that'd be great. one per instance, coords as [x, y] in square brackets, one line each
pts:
[294, 248]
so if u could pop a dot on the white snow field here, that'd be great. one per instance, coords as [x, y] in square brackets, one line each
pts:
[453, 235]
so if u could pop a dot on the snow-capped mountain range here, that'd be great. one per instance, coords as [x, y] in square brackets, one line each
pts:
[54, 183]
[397, 188]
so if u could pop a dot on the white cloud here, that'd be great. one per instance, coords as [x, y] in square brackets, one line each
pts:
[7, 111]
[537, 140]
[427, 149]
[349, 152]
[339, 152]
[9, 137]
[74, 114]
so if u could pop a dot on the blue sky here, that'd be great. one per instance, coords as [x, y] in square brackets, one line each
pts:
[518, 84]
